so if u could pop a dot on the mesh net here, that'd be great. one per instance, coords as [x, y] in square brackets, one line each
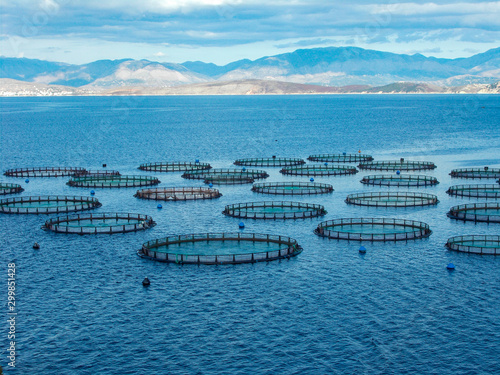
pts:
[113, 181]
[43, 172]
[178, 194]
[476, 173]
[487, 245]
[392, 199]
[292, 188]
[340, 158]
[10, 188]
[319, 170]
[47, 204]
[174, 166]
[397, 165]
[228, 173]
[274, 210]
[269, 162]
[399, 180]
[486, 212]
[475, 191]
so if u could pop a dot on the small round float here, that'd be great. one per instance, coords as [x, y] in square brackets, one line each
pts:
[229, 172]
[112, 181]
[220, 248]
[174, 166]
[373, 229]
[10, 188]
[485, 172]
[340, 158]
[43, 172]
[487, 245]
[269, 162]
[274, 210]
[392, 199]
[101, 223]
[484, 212]
[48, 204]
[389, 165]
[227, 180]
[178, 193]
[292, 188]
[399, 180]
[475, 191]
[319, 170]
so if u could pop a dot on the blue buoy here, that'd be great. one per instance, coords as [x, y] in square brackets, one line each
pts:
[241, 225]
[92, 192]
[244, 169]
[398, 172]
[159, 206]
[362, 249]
[197, 161]
[311, 179]
[210, 185]
[326, 163]
[450, 267]
[27, 180]
[344, 153]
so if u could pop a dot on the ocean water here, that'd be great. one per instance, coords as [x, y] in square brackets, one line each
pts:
[83, 310]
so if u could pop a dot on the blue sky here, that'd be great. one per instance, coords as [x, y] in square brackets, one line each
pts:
[221, 31]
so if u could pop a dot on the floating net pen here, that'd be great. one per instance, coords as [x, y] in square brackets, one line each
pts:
[101, 223]
[397, 165]
[392, 199]
[43, 172]
[228, 180]
[269, 162]
[10, 188]
[174, 166]
[237, 173]
[475, 191]
[292, 188]
[178, 194]
[370, 229]
[484, 212]
[220, 248]
[399, 180]
[92, 173]
[485, 172]
[487, 245]
[48, 204]
[340, 158]
[319, 170]
[274, 210]
[112, 181]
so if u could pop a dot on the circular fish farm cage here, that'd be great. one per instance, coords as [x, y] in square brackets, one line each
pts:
[174, 166]
[370, 229]
[392, 199]
[101, 223]
[475, 191]
[340, 158]
[487, 245]
[484, 212]
[112, 181]
[220, 172]
[43, 172]
[476, 173]
[228, 180]
[319, 170]
[91, 173]
[47, 204]
[10, 188]
[399, 180]
[274, 210]
[220, 248]
[269, 162]
[397, 165]
[178, 194]
[292, 188]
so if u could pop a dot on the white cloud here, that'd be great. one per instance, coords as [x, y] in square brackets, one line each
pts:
[411, 9]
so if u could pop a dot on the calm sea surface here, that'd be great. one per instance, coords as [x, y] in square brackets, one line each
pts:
[83, 310]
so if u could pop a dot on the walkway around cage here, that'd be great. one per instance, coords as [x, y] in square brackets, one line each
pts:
[269, 162]
[178, 193]
[174, 166]
[475, 191]
[319, 170]
[159, 249]
[6, 188]
[340, 158]
[403, 180]
[392, 199]
[47, 204]
[226, 172]
[43, 172]
[485, 172]
[391, 165]
[475, 244]
[483, 212]
[100, 223]
[274, 210]
[112, 181]
[292, 188]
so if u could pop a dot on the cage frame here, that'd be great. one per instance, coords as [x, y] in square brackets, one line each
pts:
[474, 191]
[54, 223]
[359, 199]
[7, 188]
[228, 180]
[310, 210]
[88, 203]
[292, 249]
[43, 171]
[256, 174]
[395, 165]
[324, 170]
[271, 188]
[340, 158]
[453, 243]
[422, 232]
[474, 173]
[460, 212]
[97, 173]
[92, 181]
[415, 180]
[269, 162]
[174, 166]
[178, 193]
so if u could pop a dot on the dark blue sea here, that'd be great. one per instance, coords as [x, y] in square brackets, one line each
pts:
[81, 307]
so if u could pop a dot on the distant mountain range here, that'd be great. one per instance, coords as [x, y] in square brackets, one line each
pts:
[333, 66]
